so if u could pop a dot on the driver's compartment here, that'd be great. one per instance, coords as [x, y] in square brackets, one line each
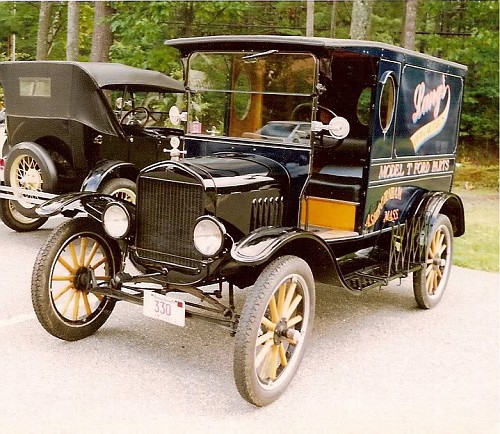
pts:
[333, 199]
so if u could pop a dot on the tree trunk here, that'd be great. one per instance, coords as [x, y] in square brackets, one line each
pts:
[333, 21]
[310, 18]
[361, 19]
[73, 30]
[410, 24]
[42, 39]
[102, 38]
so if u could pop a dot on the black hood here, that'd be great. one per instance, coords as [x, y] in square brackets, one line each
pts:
[226, 173]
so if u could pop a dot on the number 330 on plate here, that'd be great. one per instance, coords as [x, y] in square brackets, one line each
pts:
[164, 308]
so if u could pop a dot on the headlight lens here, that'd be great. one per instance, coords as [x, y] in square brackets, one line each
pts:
[116, 220]
[208, 236]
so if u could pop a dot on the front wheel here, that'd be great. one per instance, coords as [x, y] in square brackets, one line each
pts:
[16, 220]
[76, 257]
[430, 282]
[273, 329]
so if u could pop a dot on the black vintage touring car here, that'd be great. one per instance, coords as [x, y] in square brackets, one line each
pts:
[306, 160]
[70, 122]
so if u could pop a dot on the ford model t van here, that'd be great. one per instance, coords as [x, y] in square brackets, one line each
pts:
[73, 125]
[306, 160]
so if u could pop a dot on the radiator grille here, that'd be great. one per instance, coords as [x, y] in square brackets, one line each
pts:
[166, 213]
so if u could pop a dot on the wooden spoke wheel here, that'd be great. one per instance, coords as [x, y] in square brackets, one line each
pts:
[76, 258]
[16, 220]
[430, 282]
[28, 168]
[273, 330]
[122, 188]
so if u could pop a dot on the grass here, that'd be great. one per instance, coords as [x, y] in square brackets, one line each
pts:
[478, 188]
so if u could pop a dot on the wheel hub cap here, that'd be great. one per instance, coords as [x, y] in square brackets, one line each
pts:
[32, 179]
[84, 279]
[438, 262]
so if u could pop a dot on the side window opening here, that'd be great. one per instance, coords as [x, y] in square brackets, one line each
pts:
[387, 103]
[364, 106]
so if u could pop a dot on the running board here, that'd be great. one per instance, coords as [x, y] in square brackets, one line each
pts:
[375, 277]
[23, 195]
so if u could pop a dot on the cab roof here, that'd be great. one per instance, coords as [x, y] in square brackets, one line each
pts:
[322, 47]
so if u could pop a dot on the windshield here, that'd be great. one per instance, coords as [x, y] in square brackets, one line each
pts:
[244, 95]
[128, 106]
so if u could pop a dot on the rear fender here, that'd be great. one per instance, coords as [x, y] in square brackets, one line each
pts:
[47, 165]
[450, 205]
[264, 244]
[108, 169]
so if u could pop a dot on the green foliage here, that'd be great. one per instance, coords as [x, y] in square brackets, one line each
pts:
[467, 32]
[21, 19]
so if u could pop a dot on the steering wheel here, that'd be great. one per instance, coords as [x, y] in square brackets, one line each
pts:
[307, 105]
[131, 118]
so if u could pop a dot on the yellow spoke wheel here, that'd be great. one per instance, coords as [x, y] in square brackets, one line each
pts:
[273, 330]
[122, 188]
[430, 282]
[76, 258]
[29, 167]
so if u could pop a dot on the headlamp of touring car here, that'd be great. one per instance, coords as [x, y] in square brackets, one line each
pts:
[208, 236]
[116, 220]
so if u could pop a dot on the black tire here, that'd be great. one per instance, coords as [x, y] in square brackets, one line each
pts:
[430, 282]
[29, 166]
[276, 319]
[75, 254]
[122, 188]
[17, 221]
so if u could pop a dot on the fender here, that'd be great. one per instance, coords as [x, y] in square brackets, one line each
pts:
[449, 204]
[66, 204]
[47, 165]
[263, 244]
[432, 203]
[71, 204]
[104, 169]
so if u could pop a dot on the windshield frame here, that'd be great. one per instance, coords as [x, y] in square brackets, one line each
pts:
[309, 96]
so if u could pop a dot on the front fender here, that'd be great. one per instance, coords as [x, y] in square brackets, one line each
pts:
[64, 203]
[104, 169]
[265, 243]
[72, 203]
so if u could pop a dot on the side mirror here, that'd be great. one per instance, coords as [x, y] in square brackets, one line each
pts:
[338, 127]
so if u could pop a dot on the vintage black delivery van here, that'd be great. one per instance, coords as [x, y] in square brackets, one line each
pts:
[305, 160]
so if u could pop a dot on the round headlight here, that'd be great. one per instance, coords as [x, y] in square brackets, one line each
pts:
[208, 236]
[116, 220]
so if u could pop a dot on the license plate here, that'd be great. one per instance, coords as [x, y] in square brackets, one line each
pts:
[164, 308]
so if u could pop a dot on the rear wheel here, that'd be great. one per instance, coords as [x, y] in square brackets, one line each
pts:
[121, 188]
[273, 330]
[76, 257]
[29, 167]
[430, 282]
